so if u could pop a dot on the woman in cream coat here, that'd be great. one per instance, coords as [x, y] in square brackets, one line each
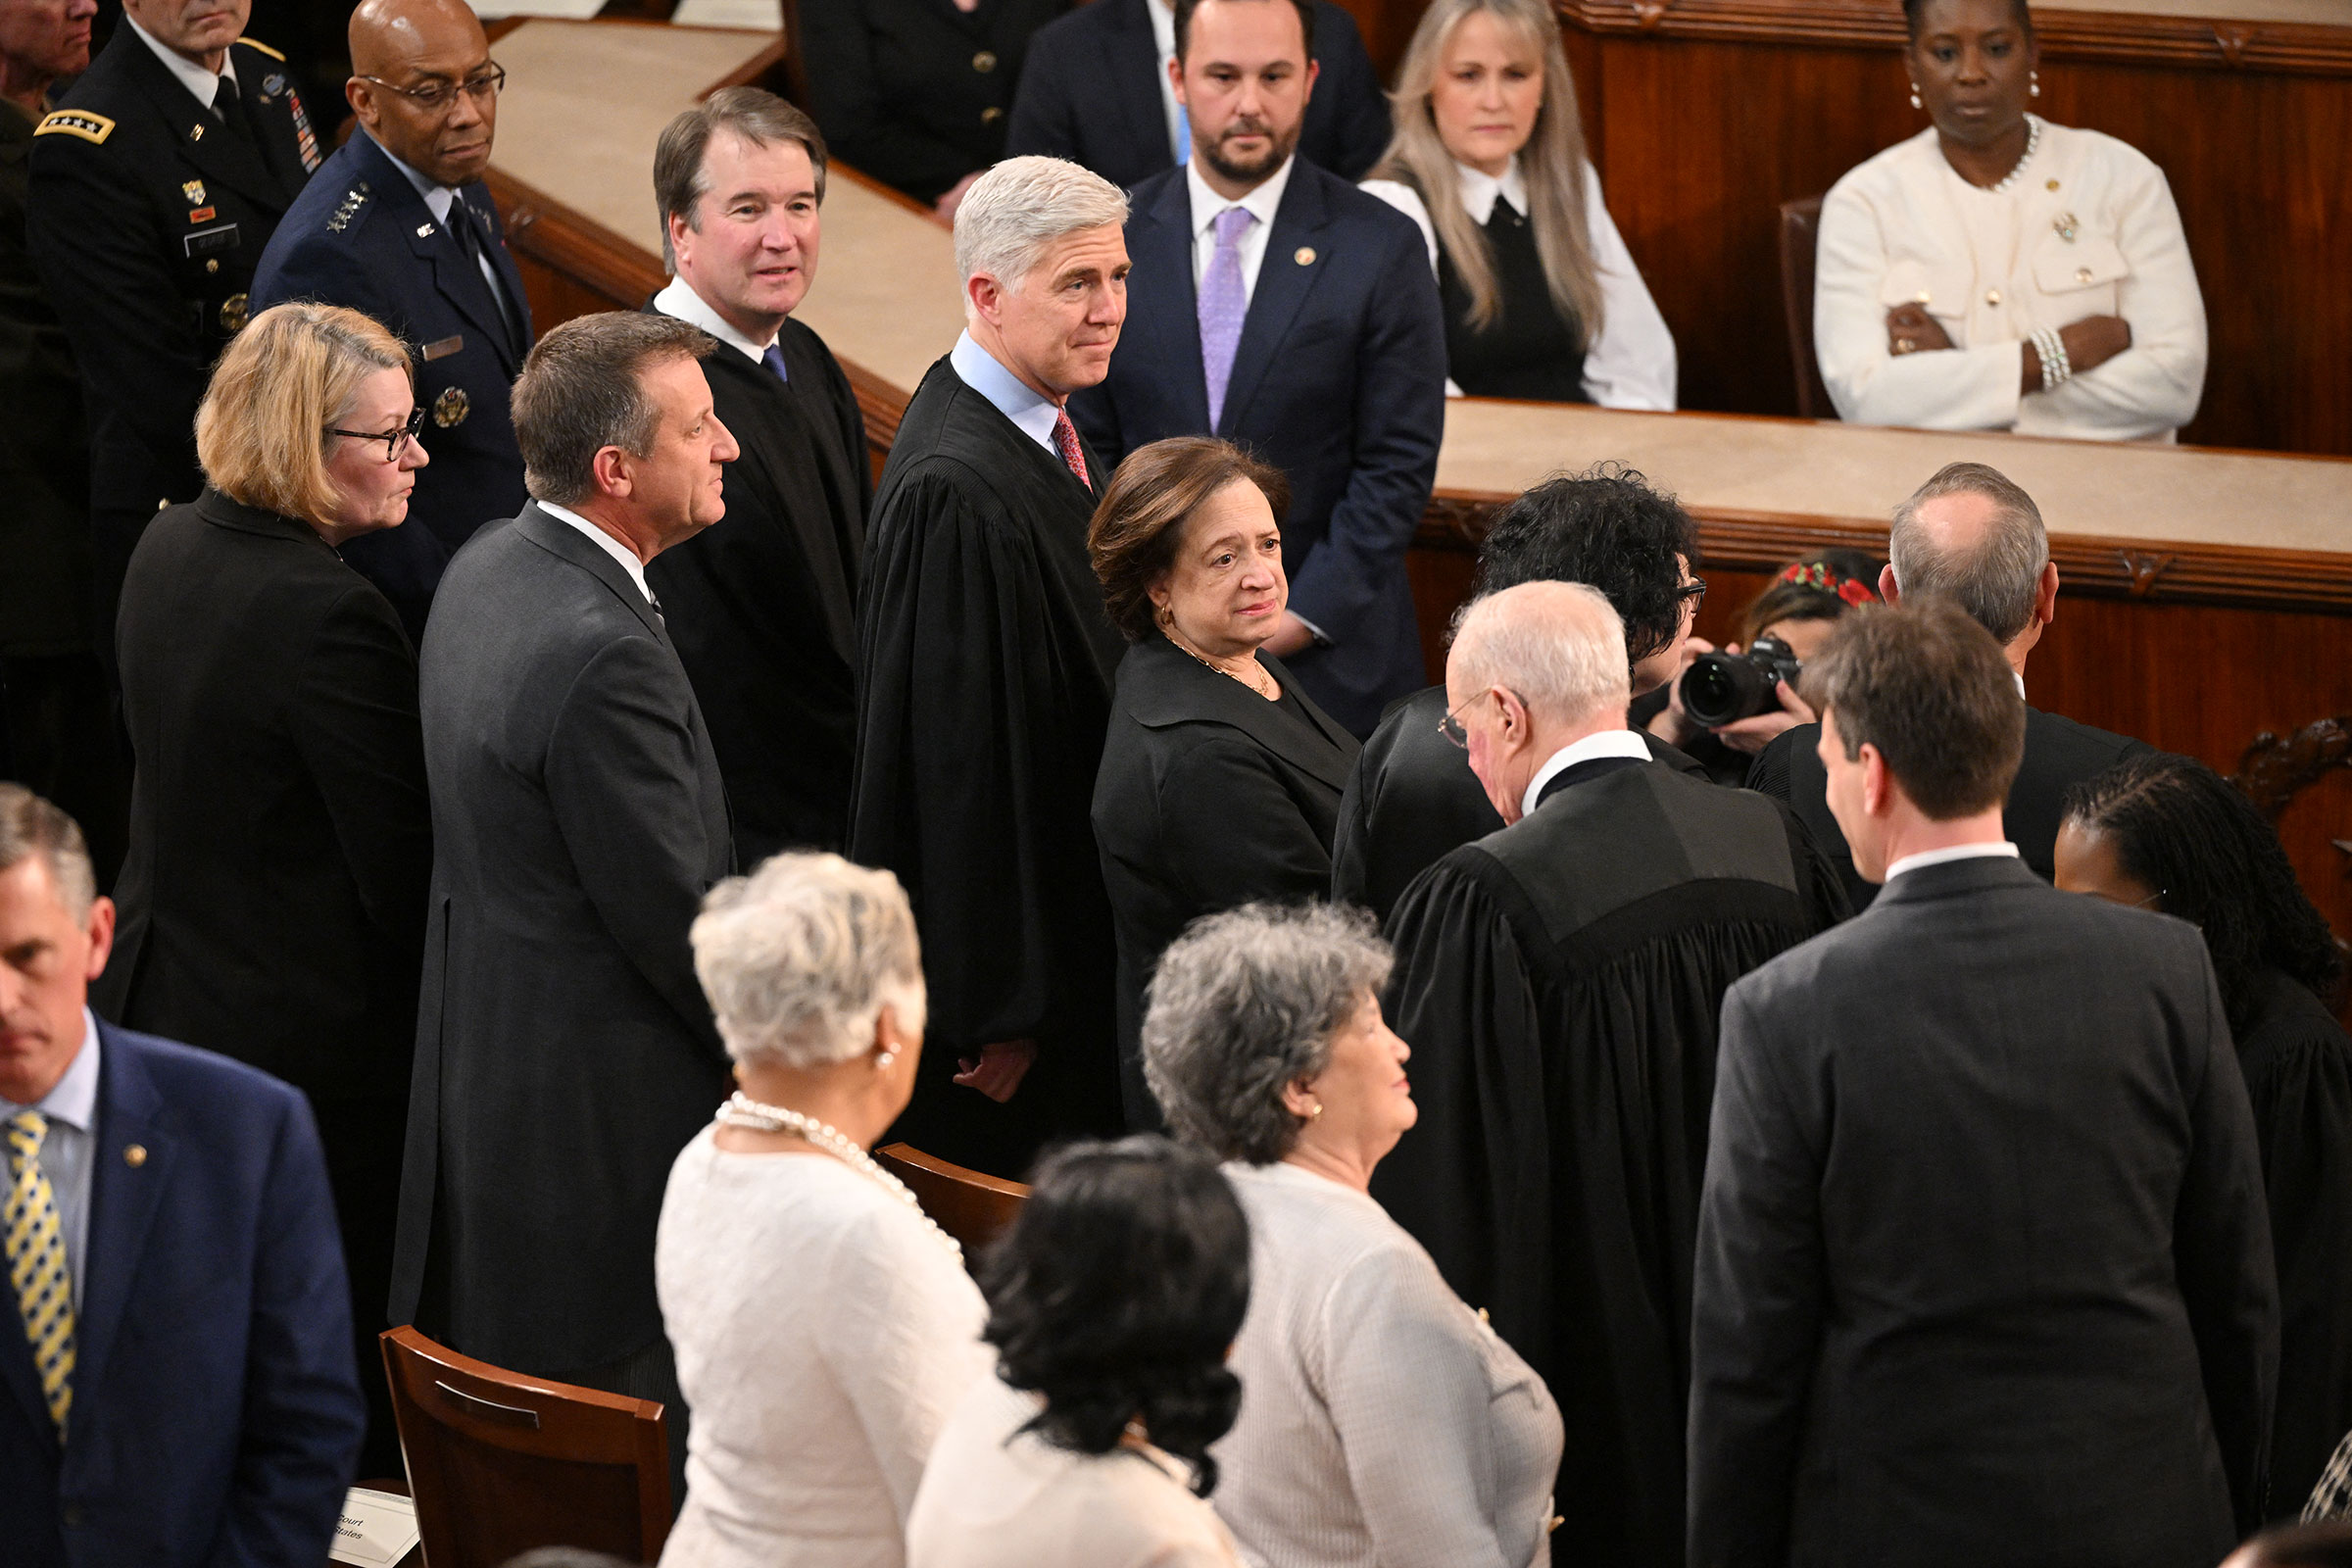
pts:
[2000, 272]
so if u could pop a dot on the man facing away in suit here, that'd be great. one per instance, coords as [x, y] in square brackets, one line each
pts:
[564, 1050]
[1274, 304]
[764, 611]
[1983, 1267]
[1973, 536]
[176, 1344]
[399, 224]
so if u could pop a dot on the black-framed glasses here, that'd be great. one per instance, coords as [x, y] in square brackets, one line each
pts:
[437, 95]
[1451, 726]
[391, 438]
[1695, 590]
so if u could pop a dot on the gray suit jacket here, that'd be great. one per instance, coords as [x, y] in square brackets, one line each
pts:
[565, 1053]
[1983, 1267]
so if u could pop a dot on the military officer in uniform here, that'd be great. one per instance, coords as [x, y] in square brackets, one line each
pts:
[399, 225]
[156, 183]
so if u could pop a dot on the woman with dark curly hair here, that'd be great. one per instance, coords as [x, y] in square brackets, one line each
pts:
[1112, 1301]
[2168, 833]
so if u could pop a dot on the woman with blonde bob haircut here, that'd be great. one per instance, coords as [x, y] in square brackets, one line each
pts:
[824, 1327]
[273, 896]
[1542, 298]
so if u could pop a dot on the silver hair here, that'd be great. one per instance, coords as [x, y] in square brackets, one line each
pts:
[1996, 578]
[800, 957]
[1559, 646]
[1246, 1003]
[30, 826]
[1015, 212]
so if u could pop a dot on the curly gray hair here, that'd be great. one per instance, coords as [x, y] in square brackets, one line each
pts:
[1246, 1003]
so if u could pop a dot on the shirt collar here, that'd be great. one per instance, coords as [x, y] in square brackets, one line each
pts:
[74, 1098]
[681, 301]
[604, 542]
[1479, 190]
[1958, 852]
[1262, 202]
[1593, 748]
[200, 82]
[1163, 26]
[437, 197]
[1013, 397]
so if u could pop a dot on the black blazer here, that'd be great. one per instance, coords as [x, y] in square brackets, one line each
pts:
[1209, 796]
[1090, 92]
[273, 899]
[914, 92]
[2058, 753]
[1984, 1273]
[1338, 380]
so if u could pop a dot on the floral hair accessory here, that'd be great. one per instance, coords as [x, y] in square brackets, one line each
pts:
[1828, 580]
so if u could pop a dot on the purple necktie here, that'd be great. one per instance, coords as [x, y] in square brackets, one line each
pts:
[1223, 304]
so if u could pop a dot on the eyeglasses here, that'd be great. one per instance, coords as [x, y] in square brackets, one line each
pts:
[1451, 727]
[390, 438]
[1695, 590]
[435, 97]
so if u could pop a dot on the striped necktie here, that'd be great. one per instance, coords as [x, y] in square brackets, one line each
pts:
[35, 1247]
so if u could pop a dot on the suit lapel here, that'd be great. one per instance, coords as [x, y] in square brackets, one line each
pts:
[1163, 248]
[1283, 283]
[124, 1199]
[502, 260]
[1131, 54]
[203, 140]
[455, 278]
[1174, 688]
[561, 539]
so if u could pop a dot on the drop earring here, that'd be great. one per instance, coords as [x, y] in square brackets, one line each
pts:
[2034, 83]
[882, 1060]
[1915, 103]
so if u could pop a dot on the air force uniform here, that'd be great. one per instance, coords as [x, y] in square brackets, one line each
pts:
[377, 236]
[153, 189]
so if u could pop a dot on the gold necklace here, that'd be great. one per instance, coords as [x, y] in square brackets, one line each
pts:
[1253, 685]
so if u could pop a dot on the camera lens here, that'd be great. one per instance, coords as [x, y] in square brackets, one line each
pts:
[1721, 689]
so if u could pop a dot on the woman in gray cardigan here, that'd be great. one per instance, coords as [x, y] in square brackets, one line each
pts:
[1384, 1424]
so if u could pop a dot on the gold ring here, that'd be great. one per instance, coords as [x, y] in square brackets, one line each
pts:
[1904, 345]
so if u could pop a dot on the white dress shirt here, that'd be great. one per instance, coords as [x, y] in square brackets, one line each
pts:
[1630, 361]
[681, 302]
[1209, 206]
[1010, 396]
[1164, 38]
[437, 201]
[71, 1110]
[2088, 229]
[1958, 852]
[604, 542]
[1603, 743]
[200, 82]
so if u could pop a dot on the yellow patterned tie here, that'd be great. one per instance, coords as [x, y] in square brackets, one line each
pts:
[36, 1249]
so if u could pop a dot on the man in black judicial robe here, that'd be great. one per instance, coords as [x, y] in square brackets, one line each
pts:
[764, 611]
[986, 675]
[1560, 982]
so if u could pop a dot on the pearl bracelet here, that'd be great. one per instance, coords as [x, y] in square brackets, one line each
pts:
[2056, 368]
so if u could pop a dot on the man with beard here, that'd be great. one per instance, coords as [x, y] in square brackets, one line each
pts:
[1275, 305]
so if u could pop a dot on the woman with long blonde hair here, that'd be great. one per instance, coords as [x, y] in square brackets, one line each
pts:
[1542, 298]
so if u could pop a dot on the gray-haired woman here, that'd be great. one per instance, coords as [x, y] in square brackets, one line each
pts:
[823, 1326]
[1384, 1422]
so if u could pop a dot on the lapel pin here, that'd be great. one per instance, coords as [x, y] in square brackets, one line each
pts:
[424, 230]
[193, 190]
[1304, 256]
[196, 132]
[134, 1155]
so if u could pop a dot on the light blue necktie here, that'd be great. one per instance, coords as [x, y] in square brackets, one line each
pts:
[1223, 305]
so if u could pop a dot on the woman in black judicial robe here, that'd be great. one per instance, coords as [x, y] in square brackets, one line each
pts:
[1220, 780]
[2168, 833]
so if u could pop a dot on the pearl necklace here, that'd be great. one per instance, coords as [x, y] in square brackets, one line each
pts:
[742, 1110]
[2032, 142]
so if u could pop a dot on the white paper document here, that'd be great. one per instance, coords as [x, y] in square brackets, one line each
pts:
[757, 16]
[377, 1529]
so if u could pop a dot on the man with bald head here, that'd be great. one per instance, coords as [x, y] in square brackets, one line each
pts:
[1973, 536]
[399, 224]
[1560, 982]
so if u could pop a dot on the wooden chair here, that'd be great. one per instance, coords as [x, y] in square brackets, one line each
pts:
[1801, 234]
[972, 1208]
[499, 1463]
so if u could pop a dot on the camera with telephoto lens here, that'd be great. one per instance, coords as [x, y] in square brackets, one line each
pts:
[1720, 689]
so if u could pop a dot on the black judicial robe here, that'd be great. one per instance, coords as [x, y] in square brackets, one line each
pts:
[762, 605]
[986, 668]
[1560, 982]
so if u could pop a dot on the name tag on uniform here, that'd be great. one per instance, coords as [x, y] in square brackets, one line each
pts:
[207, 240]
[443, 348]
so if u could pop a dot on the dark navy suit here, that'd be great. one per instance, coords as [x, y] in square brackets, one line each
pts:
[216, 1413]
[1338, 380]
[361, 235]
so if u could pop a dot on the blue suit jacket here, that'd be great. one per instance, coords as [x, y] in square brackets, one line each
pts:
[1090, 92]
[216, 1413]
[1338, 380]
[361, 236]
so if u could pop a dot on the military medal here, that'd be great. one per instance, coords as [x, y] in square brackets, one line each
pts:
[272, 85]
[193, 190]
[304, 141]
[232, 313]
[451, 408]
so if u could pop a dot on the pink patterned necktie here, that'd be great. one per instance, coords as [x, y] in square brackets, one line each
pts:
[1223, 304]
[1065, 442]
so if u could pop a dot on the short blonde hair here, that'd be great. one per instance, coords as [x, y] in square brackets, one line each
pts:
[1015, 212]
[260, 431]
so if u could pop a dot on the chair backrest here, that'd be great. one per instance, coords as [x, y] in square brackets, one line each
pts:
[500, 1463]
[1800, 233]
[972, 1208]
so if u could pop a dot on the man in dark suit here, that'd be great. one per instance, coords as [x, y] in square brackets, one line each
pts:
[1097, 89]
[1973, 536]
[178, 1375]
[763, 610]
[155, 186]
[563, 1051]
[1274, 304]
[399, 225]
[1983, 1262]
